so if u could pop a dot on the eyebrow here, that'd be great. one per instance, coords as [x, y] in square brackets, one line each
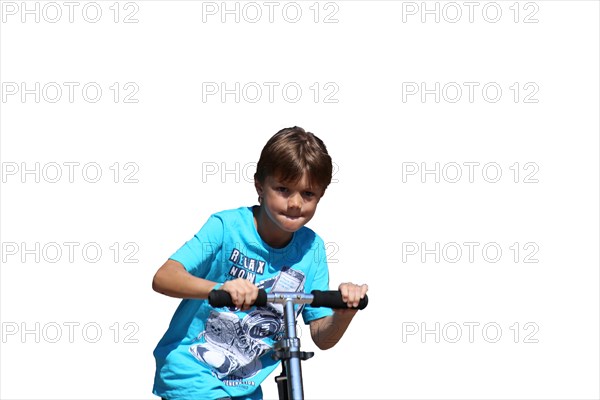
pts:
[288, 184]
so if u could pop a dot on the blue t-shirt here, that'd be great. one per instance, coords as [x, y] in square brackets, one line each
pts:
[209, 353]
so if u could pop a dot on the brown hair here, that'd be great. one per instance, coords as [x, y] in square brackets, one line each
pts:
[291, 152]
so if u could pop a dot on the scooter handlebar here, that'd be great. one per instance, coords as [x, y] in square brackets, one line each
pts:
[317, 298]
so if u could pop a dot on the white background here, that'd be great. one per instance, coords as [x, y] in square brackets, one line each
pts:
[369, 217]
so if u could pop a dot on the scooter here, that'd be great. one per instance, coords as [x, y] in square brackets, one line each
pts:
[288, 348]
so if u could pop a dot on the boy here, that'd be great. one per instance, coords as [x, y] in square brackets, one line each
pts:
[223, 353]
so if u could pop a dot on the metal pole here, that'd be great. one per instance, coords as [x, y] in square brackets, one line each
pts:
[294, 381]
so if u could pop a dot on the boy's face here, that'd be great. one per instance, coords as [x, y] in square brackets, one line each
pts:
[288, 207]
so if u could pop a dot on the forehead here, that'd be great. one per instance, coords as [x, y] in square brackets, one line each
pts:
[304, 182]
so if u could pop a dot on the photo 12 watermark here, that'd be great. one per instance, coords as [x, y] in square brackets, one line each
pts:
[452, 12]
[237, 172]
[69, 172]
[252, 12]
[69, 252]
[242, 266]
[70, 92]
[470, 172]
[471, 252]
[470, 92]
[469, 332]
[53, 12]
[69, 332]
[270, 92]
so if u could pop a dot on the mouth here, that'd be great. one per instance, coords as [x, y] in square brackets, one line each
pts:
[291, 217]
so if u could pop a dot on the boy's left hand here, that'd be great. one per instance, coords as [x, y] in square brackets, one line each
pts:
[352, 293]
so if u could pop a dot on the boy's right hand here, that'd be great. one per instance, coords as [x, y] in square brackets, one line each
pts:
[242, 292]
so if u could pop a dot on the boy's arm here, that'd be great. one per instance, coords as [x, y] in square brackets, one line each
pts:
[327, 331]
[172, 279]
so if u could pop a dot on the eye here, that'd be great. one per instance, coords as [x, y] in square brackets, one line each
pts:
[309, 194]
[281, 189]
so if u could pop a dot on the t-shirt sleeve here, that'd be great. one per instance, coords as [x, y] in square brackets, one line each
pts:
[320, 282]
[198, 253]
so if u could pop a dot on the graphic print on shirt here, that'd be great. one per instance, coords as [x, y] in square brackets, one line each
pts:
[245, 267]
[231, 346]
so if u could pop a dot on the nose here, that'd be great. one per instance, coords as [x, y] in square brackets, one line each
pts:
[295, 201]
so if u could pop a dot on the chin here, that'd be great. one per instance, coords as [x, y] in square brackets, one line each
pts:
[291, 229]
[291, 225]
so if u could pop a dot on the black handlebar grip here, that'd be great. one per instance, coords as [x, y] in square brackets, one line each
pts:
[327, 298]
[221, 298]
[333, 299]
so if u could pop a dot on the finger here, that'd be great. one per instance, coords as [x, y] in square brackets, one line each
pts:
[356, 295]
[351, 297]
[345, 288]
[248, 300]
[344, 291]
[249, 293]
[364, 289]
[234, 297]
[241, 298]
[235, 289]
